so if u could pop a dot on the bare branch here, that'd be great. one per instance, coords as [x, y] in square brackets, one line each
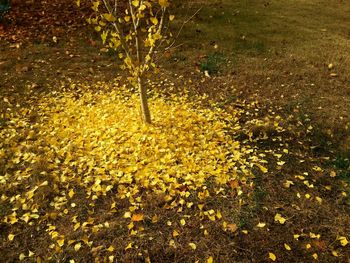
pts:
[182, 26]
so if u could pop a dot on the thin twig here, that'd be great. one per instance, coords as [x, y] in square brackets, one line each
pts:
[182, 26]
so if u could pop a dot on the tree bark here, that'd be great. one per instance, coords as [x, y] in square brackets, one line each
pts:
[146, 115]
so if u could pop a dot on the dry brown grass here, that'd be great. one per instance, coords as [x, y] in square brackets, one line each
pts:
[276, 52]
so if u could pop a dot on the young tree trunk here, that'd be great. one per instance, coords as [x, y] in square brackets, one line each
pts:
[146, 115]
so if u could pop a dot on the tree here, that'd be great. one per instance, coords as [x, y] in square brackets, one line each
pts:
[134, 29]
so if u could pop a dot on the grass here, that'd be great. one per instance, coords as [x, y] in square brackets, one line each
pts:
[212, 63]
[271, 60]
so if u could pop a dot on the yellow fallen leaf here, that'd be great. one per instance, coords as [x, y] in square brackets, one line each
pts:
[261, 225]
[77, 246]
[218, 214]
[21, 257]
[286, 246]
[343, 241]
[11, 237]
[315, 256]
[210, 259]
[272, 256]
[110, 249]
[335, 253]
[76, 226]
[131, 225]
[313, 235]
[155, 219]
[129, 246]
[127, 215]
[319, 199]
[308, 246]
[135, 3]
[172, 243]
[175, 233]
[288, 183]
[317, 169]
[154, 20]
[192, 245]
[137, 217]
[262, 168]
[280, 219]
[182, 222]
[71, 193]
[60, 242]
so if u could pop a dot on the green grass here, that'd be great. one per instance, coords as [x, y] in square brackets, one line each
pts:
[252, 28]
[212, 63]
[342, 164]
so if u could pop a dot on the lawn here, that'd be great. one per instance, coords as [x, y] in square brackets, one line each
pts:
[247, 159]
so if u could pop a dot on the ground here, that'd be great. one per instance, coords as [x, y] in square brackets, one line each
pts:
[280, 67]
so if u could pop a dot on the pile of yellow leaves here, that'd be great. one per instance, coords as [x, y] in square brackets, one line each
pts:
[99, 142]
[96, 142]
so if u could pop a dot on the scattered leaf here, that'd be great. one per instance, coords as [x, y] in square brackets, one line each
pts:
[261, 225]
[77, 246]
[137, 217]
[287, 247]
[193, 246]
[272, 256]
[280, 219]
[343, 241]
[129, 246]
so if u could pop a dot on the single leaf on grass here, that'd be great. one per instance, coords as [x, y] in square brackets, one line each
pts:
[280, 219]
[182, 222]
[343, 241]
[272, 256]
[77, 246]
[193, 246]
[288, 183]
[127, 215]
[129, 246]
[110, 249]
[175, 233]
[137, 217]
[287, 247]
[71, 193]
[21, 257]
